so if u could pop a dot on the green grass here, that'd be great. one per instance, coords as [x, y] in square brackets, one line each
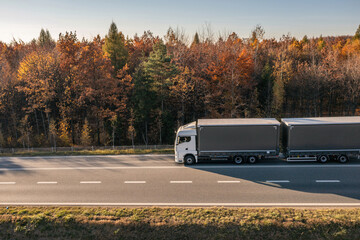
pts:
[88, 152]
[178, 223]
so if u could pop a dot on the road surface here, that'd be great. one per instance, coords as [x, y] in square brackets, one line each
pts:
[156, 180]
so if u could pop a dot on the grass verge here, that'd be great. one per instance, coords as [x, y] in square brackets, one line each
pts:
[178, 223]
[88, 152]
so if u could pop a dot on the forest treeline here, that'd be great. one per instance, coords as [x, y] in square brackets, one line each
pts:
[120, 91]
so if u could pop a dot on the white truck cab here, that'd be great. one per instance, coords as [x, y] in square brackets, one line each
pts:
[185, 143]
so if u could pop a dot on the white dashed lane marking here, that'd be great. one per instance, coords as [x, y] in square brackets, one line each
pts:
[180, 181]
[228, 181]
[277, 181]
[46, 182]
[327, 181]
[7, 183]
[135, 182]
[90, 182]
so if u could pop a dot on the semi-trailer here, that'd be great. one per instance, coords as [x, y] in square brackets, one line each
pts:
[248, 139]
[236, 139]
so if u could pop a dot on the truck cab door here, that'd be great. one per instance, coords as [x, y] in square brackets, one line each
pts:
[185, 145]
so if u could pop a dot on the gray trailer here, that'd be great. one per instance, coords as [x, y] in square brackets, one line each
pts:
[321, 139]
[237, 139]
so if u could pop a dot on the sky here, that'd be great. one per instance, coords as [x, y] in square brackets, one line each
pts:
[23, 19]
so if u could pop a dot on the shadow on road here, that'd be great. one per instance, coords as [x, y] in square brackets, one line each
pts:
[8, 163]
[302, 177]
[27, 163]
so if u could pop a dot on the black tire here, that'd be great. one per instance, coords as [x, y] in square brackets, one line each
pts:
[189, 160]
[343, 159]
[238, 159]
[323, 159]
[252, 159]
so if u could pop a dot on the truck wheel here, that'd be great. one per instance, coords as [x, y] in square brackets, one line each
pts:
[252, 159]
[189, 160]
[323, 159]
[343, 159]
[238, 159]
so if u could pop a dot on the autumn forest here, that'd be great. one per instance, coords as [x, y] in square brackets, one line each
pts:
[121, 90]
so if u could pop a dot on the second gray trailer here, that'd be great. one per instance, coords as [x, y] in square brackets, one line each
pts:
[321, 139]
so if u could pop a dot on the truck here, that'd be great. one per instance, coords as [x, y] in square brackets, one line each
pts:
[321, 139]
[234, 139]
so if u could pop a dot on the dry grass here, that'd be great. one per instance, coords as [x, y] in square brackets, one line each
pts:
[178, 223]
[88, 152]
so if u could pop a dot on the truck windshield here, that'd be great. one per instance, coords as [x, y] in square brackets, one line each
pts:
[183, 139]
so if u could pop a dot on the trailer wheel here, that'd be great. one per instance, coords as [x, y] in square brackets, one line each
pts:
[323, 159]
[189, 160]
[238, 160]
[343, 159]
[252, 159]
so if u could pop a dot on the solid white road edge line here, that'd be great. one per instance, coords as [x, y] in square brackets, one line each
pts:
[5, 183]
[327, 181]
[47, 182]
[228, 181]
[134, 181]
[277, 181]
[95, 156]
[90, 182]
[357, 204]
[175, 167]
[180, 181]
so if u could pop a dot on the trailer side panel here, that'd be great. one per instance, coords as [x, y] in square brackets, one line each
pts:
[323, 137]
[238, 138]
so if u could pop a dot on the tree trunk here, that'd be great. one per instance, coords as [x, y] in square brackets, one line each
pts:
[37, 123]
[43, 123]
[98, 133]
[113, 136]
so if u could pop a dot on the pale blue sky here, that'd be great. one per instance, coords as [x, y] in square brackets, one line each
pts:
[23, 19]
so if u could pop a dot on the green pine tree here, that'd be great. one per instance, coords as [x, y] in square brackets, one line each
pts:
[45, 39]
[357, 33]
[115, 47]
[196, 40]
[160, 69]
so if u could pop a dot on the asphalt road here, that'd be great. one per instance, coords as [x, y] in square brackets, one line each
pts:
[156, 180]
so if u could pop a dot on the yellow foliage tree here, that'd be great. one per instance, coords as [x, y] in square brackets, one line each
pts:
[64, 132]
[85, 138]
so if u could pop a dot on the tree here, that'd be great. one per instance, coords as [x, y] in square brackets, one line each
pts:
[45, 39]
[357, 33]
[25, 131]
[265, 89]
[70, 86]
[115, 47]
[85, 139]
[160, 70]
[2, 139]
[64, 132]
[52, 133]
[196, 40]
[144, 101]
[282, 74]
[257, 33]
[131, 130]
[139, 49]
[101, 95]
[320, 43]
[231, 80]
[182, 92]
[38, 76]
